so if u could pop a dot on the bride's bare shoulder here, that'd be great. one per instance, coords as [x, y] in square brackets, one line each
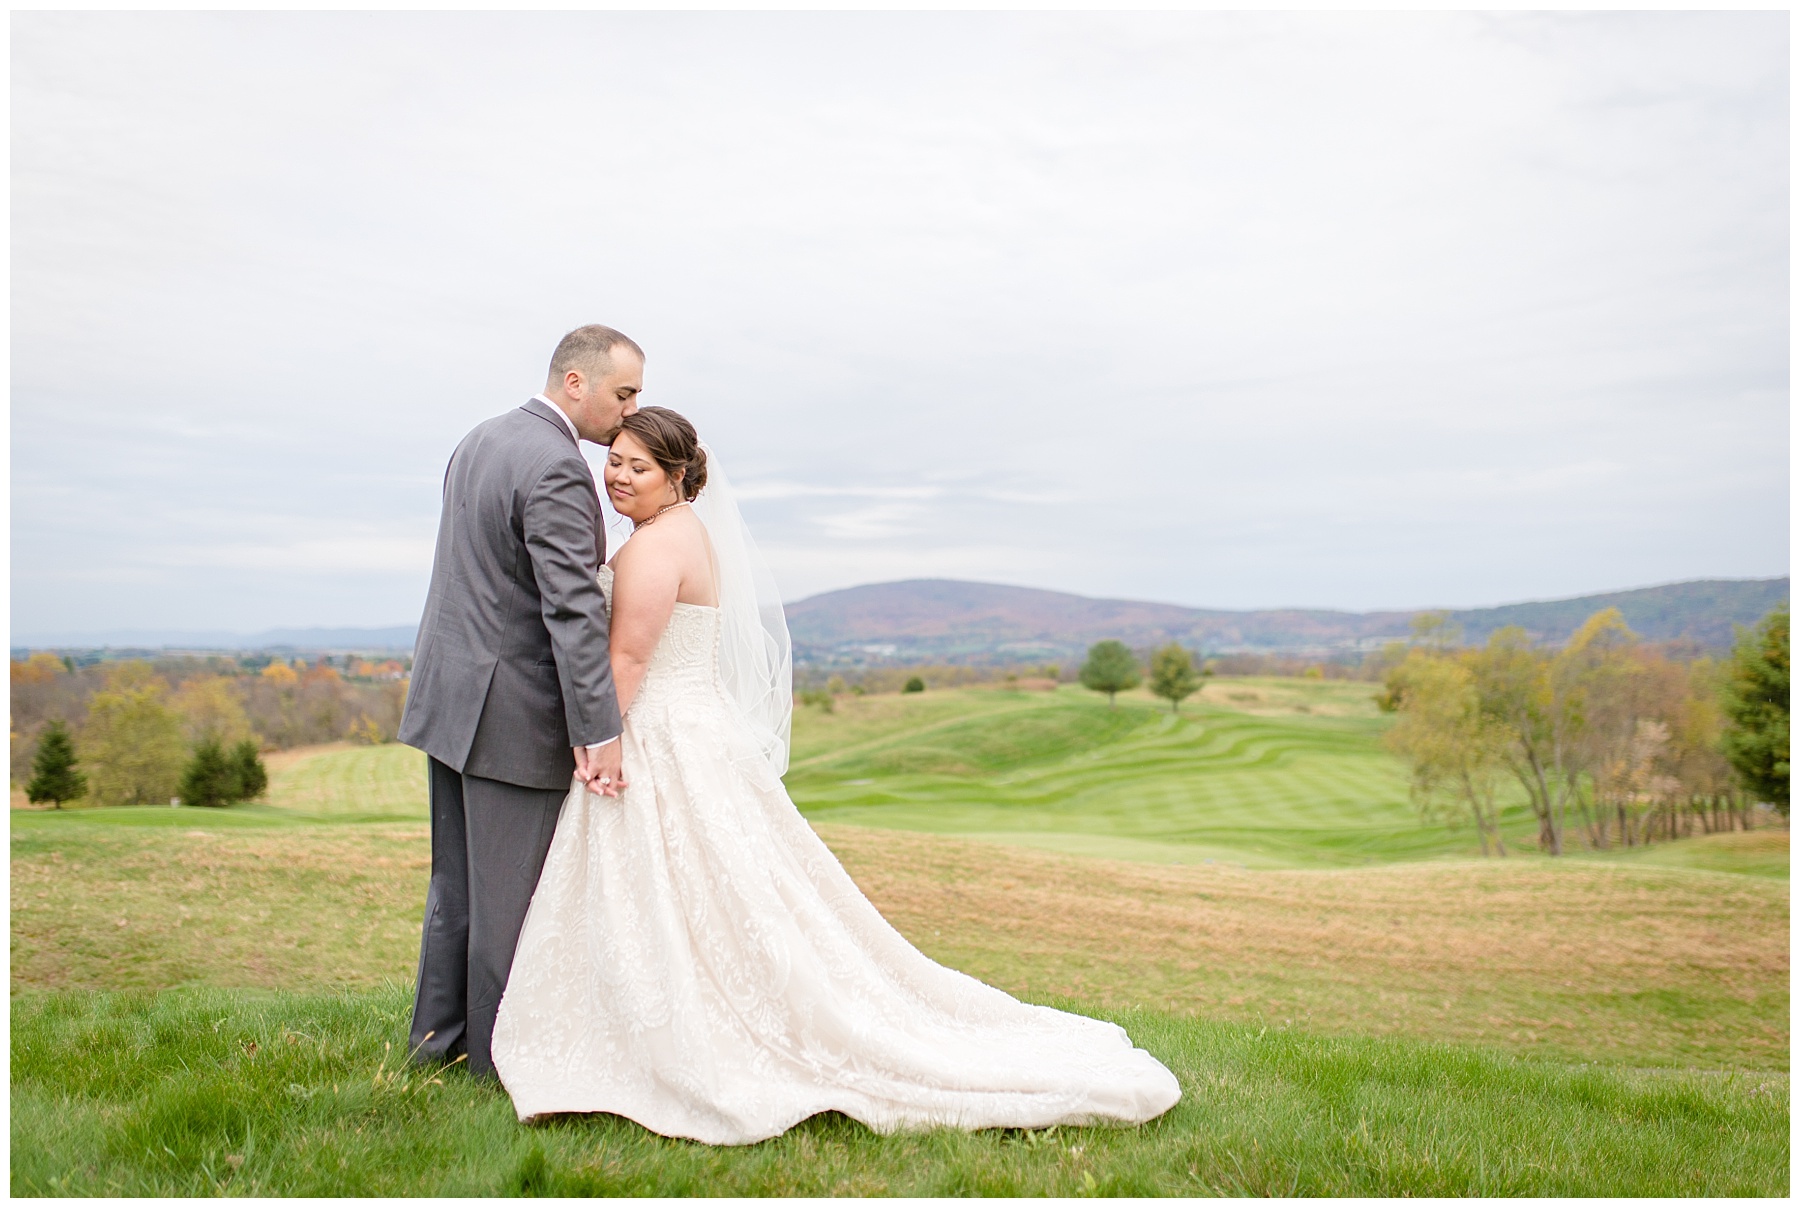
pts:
[673, 551]
[676, 536]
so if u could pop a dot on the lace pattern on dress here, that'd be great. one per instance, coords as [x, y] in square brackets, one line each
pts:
[696, 959]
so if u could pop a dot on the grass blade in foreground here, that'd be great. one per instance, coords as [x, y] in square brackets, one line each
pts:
[187, 1092]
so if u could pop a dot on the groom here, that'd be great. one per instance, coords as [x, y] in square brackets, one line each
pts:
[512, 682]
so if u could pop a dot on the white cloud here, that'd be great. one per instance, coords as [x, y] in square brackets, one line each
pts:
[802, 490]
[1216, 308]
[871, 523]
[387, 555]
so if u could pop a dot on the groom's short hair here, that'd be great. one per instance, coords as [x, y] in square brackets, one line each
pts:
[589, 350]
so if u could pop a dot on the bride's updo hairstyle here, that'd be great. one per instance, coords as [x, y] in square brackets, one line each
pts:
[668, 437]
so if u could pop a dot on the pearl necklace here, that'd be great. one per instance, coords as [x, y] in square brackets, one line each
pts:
[679, 503]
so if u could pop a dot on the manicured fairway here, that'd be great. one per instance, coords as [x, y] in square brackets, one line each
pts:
[350, 782]
[1260, 773]
[1288, 785]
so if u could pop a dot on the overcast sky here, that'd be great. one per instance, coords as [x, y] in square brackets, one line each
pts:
[1220, 310]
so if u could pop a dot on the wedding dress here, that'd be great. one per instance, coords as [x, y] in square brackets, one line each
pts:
[697, 960]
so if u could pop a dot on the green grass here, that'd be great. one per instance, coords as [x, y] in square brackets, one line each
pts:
[1753, 853]
[251, 815]
[1581, 960]
[1288, 785]
[333, 784]
[102, 900]
[214, 1092]
[369, 783]
[1261, 772]
[211, 1001]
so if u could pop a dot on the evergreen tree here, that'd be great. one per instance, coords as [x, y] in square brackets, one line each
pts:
[1756, 701]
[247, 766]
[53, 775]
[211, 776]
[1110, 668]
[1172, 675]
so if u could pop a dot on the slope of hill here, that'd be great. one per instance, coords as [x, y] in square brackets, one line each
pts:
[1702, 611]
[950, 620]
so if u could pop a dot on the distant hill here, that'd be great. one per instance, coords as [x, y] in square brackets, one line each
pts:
[955, 621]
[1703, 611]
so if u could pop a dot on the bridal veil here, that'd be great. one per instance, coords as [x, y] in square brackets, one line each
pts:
[756, 658]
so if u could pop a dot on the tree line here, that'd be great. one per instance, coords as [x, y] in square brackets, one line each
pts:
[188, 727]
[1613, 742]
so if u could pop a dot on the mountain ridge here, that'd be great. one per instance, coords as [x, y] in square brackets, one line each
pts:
[956, 620]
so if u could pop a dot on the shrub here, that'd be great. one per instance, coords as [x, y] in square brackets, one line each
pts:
[915, 684]
[215, 777]
[210, 778]
[813, 696]
[252, 777]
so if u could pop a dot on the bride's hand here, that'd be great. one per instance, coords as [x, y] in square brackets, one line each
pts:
[601, 770]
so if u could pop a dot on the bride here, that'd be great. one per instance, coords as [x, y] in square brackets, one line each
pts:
[695, 958]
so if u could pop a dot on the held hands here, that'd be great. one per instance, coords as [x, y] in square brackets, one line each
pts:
[600, 770]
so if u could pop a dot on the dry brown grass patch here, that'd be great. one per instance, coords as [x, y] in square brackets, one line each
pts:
[1629, 963]
[1575, 959]
[273, 909]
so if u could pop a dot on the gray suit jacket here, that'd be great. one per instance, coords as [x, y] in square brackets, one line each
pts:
[512, 669]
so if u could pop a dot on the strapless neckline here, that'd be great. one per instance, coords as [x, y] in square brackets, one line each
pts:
[606, 576]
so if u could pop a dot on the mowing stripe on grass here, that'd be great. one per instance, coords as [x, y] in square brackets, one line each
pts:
[1272, 791]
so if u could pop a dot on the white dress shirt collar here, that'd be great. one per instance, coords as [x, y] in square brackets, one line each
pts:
[560, 414]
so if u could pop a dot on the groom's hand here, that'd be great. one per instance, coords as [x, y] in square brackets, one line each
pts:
[601, 770]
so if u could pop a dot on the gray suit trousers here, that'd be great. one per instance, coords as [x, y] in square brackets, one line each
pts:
[488, 843]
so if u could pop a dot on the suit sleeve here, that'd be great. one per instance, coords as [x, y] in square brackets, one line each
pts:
[562, 515]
